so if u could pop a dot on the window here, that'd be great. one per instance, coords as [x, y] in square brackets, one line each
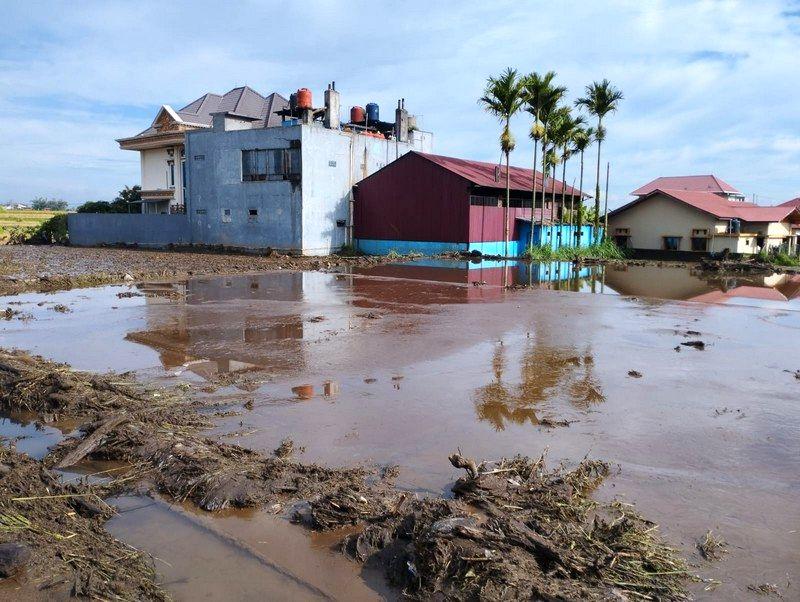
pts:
[199, 157]
[226, 216]
[171, 174]
[484, 201]
[672, 243]
[700, 240]
[622, 241]
[340, 223]
[252, 215]
[259, 165]
[622, 237]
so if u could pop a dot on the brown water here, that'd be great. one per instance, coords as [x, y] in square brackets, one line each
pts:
[403, 364]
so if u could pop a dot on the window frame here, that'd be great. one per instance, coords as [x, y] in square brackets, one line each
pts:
[270, 164]
[665, 246]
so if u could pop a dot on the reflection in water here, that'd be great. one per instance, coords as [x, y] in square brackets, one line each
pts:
[240, 324]
[329, 388]
[546, 373]
[220, 330]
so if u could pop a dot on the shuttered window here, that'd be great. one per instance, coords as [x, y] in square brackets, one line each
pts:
[270, 164]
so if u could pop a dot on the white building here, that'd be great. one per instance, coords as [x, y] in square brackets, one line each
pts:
[161, 146]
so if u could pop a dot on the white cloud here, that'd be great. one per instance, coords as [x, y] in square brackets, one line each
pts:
[710, 86]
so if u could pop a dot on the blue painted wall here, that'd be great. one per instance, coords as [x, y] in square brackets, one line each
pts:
[555, 236]
[147, 230]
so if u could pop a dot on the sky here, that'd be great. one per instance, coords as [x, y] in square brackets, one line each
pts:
[710, 86]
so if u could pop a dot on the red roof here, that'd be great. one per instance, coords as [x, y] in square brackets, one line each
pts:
[721, 207]
[698, 183]
[482, 174]
[792, 203]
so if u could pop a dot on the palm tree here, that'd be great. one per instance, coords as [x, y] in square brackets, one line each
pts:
[551, 160]
[541, 98]
[568, 126]
[601, 98]
[503, 97]
[581, 140]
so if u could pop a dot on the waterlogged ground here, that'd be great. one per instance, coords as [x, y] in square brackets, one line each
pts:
[403, 364]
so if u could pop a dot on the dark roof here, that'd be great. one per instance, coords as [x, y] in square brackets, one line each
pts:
[242, 102]
[483, 174]
[792, 203]
[720, 207]
[707, 183]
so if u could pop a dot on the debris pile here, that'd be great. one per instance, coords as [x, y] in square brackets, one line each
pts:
[517, 530]
[52, 534]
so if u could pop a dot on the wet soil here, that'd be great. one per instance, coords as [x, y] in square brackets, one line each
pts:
[537, 539]
[707, 440]
[69, 552]
[54, 267]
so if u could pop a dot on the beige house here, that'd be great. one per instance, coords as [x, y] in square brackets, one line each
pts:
[701, 214]
[161, 146]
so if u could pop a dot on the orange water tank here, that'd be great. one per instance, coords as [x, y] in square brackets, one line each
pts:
[304, 98]
[357, 115]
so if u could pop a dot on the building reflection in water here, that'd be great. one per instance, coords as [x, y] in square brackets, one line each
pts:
[230, 325]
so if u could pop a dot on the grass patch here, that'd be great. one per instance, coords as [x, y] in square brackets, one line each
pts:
[348, 251]
[603, 250]
[779, 258]
[20, 225]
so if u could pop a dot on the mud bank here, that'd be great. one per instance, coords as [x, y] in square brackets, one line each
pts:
[515, 529]
[26, 268]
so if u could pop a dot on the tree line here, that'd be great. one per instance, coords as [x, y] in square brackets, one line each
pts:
[559, 131]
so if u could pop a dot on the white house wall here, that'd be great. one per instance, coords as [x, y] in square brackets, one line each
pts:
[659, 216]
[333, 161]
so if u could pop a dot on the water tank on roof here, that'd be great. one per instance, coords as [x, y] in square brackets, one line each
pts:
[373, 112]
[357, 114]
[304, 98]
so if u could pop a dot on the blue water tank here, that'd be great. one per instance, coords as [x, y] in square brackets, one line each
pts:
[372, 112]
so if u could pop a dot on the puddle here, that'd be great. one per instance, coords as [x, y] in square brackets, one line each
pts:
[403, 364]
[30, 436]
[239, 555]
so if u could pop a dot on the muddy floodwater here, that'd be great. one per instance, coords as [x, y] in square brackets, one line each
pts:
[404, 364]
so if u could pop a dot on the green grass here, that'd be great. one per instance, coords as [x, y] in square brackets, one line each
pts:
[603, 250]
[779, 258]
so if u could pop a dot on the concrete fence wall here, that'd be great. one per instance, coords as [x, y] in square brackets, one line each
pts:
[146, 230]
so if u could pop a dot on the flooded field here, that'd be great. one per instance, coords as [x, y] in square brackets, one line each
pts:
[404, 364]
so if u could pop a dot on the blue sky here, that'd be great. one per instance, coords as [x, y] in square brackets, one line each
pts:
[710, 86]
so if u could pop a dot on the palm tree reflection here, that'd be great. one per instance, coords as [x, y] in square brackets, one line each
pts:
[547, 374]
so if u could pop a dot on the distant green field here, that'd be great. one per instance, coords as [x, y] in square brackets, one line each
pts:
[21, 218]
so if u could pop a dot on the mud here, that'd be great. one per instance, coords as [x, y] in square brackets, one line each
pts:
[53, 267]
[540, 534]
[483, 368]
[520, 531]
[70, 552]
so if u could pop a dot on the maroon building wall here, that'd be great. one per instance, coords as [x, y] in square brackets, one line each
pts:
[486, 223]
[412, 198]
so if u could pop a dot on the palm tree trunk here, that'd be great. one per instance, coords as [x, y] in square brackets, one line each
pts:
[533, 199]
[544, 188]
[563, 192]
[597, 187]
[508, 190]
[580, 203]
[508, 199]
[552, 204]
